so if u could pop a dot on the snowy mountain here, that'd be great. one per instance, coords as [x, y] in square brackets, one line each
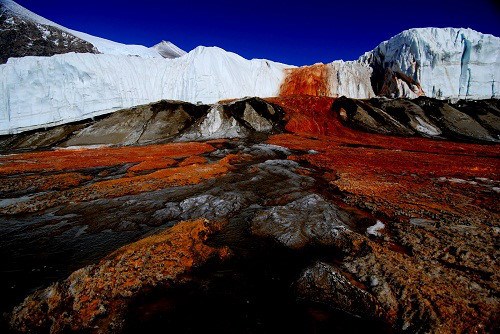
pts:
[22, 33]
[168, 50]
[12, 15]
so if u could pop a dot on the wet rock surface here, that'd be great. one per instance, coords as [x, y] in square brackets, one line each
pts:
[96, 296]
[306, 220]
[322, 229]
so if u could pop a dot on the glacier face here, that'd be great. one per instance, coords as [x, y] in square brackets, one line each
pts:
[43, 91]
[447, 62]
[350, 78]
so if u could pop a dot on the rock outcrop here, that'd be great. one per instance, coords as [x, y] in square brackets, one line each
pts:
[29, 34]
[324, 283]
[20, 37]
[307, 220]
[423, 117]
[158, 123]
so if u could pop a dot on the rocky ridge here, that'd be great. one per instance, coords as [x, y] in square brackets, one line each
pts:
[29, 34]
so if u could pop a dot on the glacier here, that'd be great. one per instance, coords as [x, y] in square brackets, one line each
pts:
[350, 78]
[37, 92]
[446, 62]
[44, 91]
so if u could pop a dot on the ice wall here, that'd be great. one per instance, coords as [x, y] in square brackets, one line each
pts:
[42, 91]
[447, 62]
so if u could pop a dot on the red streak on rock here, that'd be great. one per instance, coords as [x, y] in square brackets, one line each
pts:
[312, 117]
[447, 185]
[308, 114]
[43, 182]
[194, 160]
[61, 160]
[99, 295]
[307, 80]
[163, 178]
[384, 167]
[151, 165]
[403, 172]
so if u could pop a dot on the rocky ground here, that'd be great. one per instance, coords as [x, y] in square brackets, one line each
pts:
[305, 220]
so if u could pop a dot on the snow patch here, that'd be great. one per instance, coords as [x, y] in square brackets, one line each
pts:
[168, 50]
[375, 229]
[79, 148]
[426, 128]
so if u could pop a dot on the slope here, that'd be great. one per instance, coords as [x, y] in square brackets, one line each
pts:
[12, 9]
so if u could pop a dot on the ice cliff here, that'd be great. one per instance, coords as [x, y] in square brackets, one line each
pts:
[446, 62]
[43, 91]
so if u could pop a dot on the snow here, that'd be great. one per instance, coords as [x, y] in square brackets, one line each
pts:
[36, 92]
[103, 45]
[375, 229]
[426, 128]
[447, 62]
[80, 148]
[216, 125]
[168, 50]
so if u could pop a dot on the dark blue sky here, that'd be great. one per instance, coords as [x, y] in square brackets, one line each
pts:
[298, 33]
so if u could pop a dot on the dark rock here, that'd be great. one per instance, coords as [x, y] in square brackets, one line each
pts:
[151, 123]
[456, 124]
[39, 139]
[423, 116]
[20, 37]
[325, 284]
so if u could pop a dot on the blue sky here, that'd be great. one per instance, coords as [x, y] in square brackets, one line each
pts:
[292, 32]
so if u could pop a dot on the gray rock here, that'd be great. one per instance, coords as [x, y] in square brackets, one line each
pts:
[308, 220]
[256, 121]
[210, 206]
